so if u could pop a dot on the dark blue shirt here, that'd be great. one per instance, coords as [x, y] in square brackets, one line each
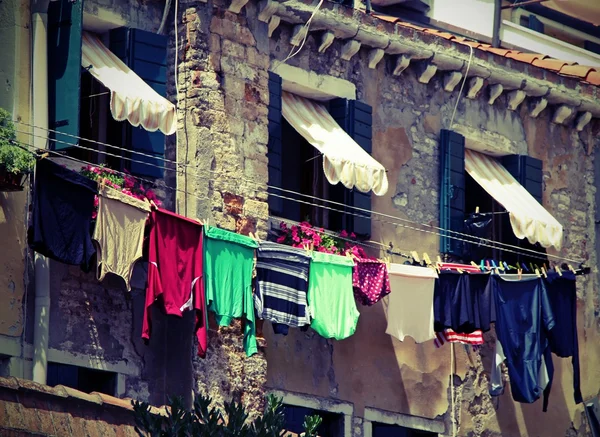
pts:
[63, 202]
[524, 317]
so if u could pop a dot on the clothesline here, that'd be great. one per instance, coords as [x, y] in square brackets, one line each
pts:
[367, 213]
[475, 240]
[220, 263]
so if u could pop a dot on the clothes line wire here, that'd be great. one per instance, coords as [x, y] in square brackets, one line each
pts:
[471, 238]
[367, 213]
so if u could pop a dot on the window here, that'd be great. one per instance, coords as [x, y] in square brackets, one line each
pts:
[298, 167]
[332, 424]
[82, 378]
[462, 196]
[385, 430]
[79, 105]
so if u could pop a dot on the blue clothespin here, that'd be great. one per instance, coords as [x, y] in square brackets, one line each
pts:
[524, 267]
[482, 266]
[505, 266]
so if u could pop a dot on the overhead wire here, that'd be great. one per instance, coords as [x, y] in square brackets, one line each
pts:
[471, 239]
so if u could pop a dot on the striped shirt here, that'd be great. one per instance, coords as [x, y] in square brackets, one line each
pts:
[282, 284]
[448, 335]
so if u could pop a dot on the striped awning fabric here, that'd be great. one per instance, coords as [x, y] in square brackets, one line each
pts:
[528, 218]
[343, 159]
[131, 98]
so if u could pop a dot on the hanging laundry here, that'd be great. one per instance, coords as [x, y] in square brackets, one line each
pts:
[478, 225]
[119, 233]
[282, 284]
[563, 337]
[63, 203]
[449, 336]
[228, 269]
[524, 317]
[331, 297]
[455, 266]
[463, 302]
[370, 280]
[175, 271]
[410, 309]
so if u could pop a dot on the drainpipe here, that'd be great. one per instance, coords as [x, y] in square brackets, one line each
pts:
[497, 22]
[39, 91]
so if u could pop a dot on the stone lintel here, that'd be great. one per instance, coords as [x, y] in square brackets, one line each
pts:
[451, 79]
[515, 98]
[495, 91]
[446, 62]
[402, 63]
[349, 49]
[326, 41]
[375, 56]
[298, 34]
[372, 38]
[537, 105]
[582, 121]
[562, 113]
[475, 87]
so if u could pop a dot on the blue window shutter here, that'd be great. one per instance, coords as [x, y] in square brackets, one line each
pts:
[356, 118]
[536, 24]
[64, 70]
[146, 54]
[527, 171]
[275, 146]
[452, 190]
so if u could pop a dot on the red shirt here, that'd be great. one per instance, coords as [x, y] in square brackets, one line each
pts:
[175, 271]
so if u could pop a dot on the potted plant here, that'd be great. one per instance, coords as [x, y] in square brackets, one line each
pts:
[15, 162]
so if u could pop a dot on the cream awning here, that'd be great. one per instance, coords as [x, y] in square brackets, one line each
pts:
[343, 159]
[528, 218]
[131, 98]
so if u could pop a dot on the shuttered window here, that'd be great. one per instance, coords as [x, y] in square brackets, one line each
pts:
[64, 71]
[146, 54]
[274, 146]
[452, 190]
[356, 118]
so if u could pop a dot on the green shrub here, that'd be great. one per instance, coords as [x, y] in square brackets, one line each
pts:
[13, 158]
[207, 421]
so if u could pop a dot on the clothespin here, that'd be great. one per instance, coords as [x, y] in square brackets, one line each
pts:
[482, 266]
[524, 267]
[153, 204]
[439, 259]
[427, 259]
[533, 269]
[476, 210]
[500, 265]
[558, 270]
[474, 264]
[506, 266]
[571, 268]
[544, 266]
[487, 264]
[520, 273]
[44, 155]
[459, 270]
[537, 272]
[415, 256]
[544, 272]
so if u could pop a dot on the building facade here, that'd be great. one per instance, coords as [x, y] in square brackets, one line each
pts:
[235, 161]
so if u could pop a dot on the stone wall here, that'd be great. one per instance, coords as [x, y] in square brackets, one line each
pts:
[222, 146]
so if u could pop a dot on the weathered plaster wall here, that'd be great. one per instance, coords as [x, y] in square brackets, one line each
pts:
[102, 15]
[372, 369]
[14, 97]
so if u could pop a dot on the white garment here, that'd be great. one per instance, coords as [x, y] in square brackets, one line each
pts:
[410, 307]
[497, 387]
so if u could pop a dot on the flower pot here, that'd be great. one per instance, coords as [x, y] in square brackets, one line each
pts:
[11, 181]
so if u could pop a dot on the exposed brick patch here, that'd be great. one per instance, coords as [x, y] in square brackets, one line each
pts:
[245, 225]
[234, 204]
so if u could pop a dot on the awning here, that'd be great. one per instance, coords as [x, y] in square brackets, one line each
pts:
[131, 98]
[528, 218]
[343, 159]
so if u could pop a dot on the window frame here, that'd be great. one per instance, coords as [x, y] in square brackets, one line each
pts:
[400, 419]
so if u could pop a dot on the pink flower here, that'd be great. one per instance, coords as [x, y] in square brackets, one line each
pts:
[353, 235]
[283, 226]
[343, 234]
[94, 215]
[96, 202]
[281, 239]
[316, 239]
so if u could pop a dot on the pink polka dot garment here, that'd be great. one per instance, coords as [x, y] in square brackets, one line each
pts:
[370, 280]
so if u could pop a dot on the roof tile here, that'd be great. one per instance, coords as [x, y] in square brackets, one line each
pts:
[576, 70]
[528, 58]
[549, 64]
[387, 18]
[501, 52]
[111, 400]
[593, 77]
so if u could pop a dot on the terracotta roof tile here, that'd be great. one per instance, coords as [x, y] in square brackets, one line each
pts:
[501, 52]
[576, 70]
[549, 64]
[412, 26]
[593, 77]
[473, 44]
[528, 58]
[387, 18]
[111, 400]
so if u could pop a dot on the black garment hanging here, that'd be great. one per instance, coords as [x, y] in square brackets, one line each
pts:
[478, 225]
[463, 302]
[563, 337]
[63, 203]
